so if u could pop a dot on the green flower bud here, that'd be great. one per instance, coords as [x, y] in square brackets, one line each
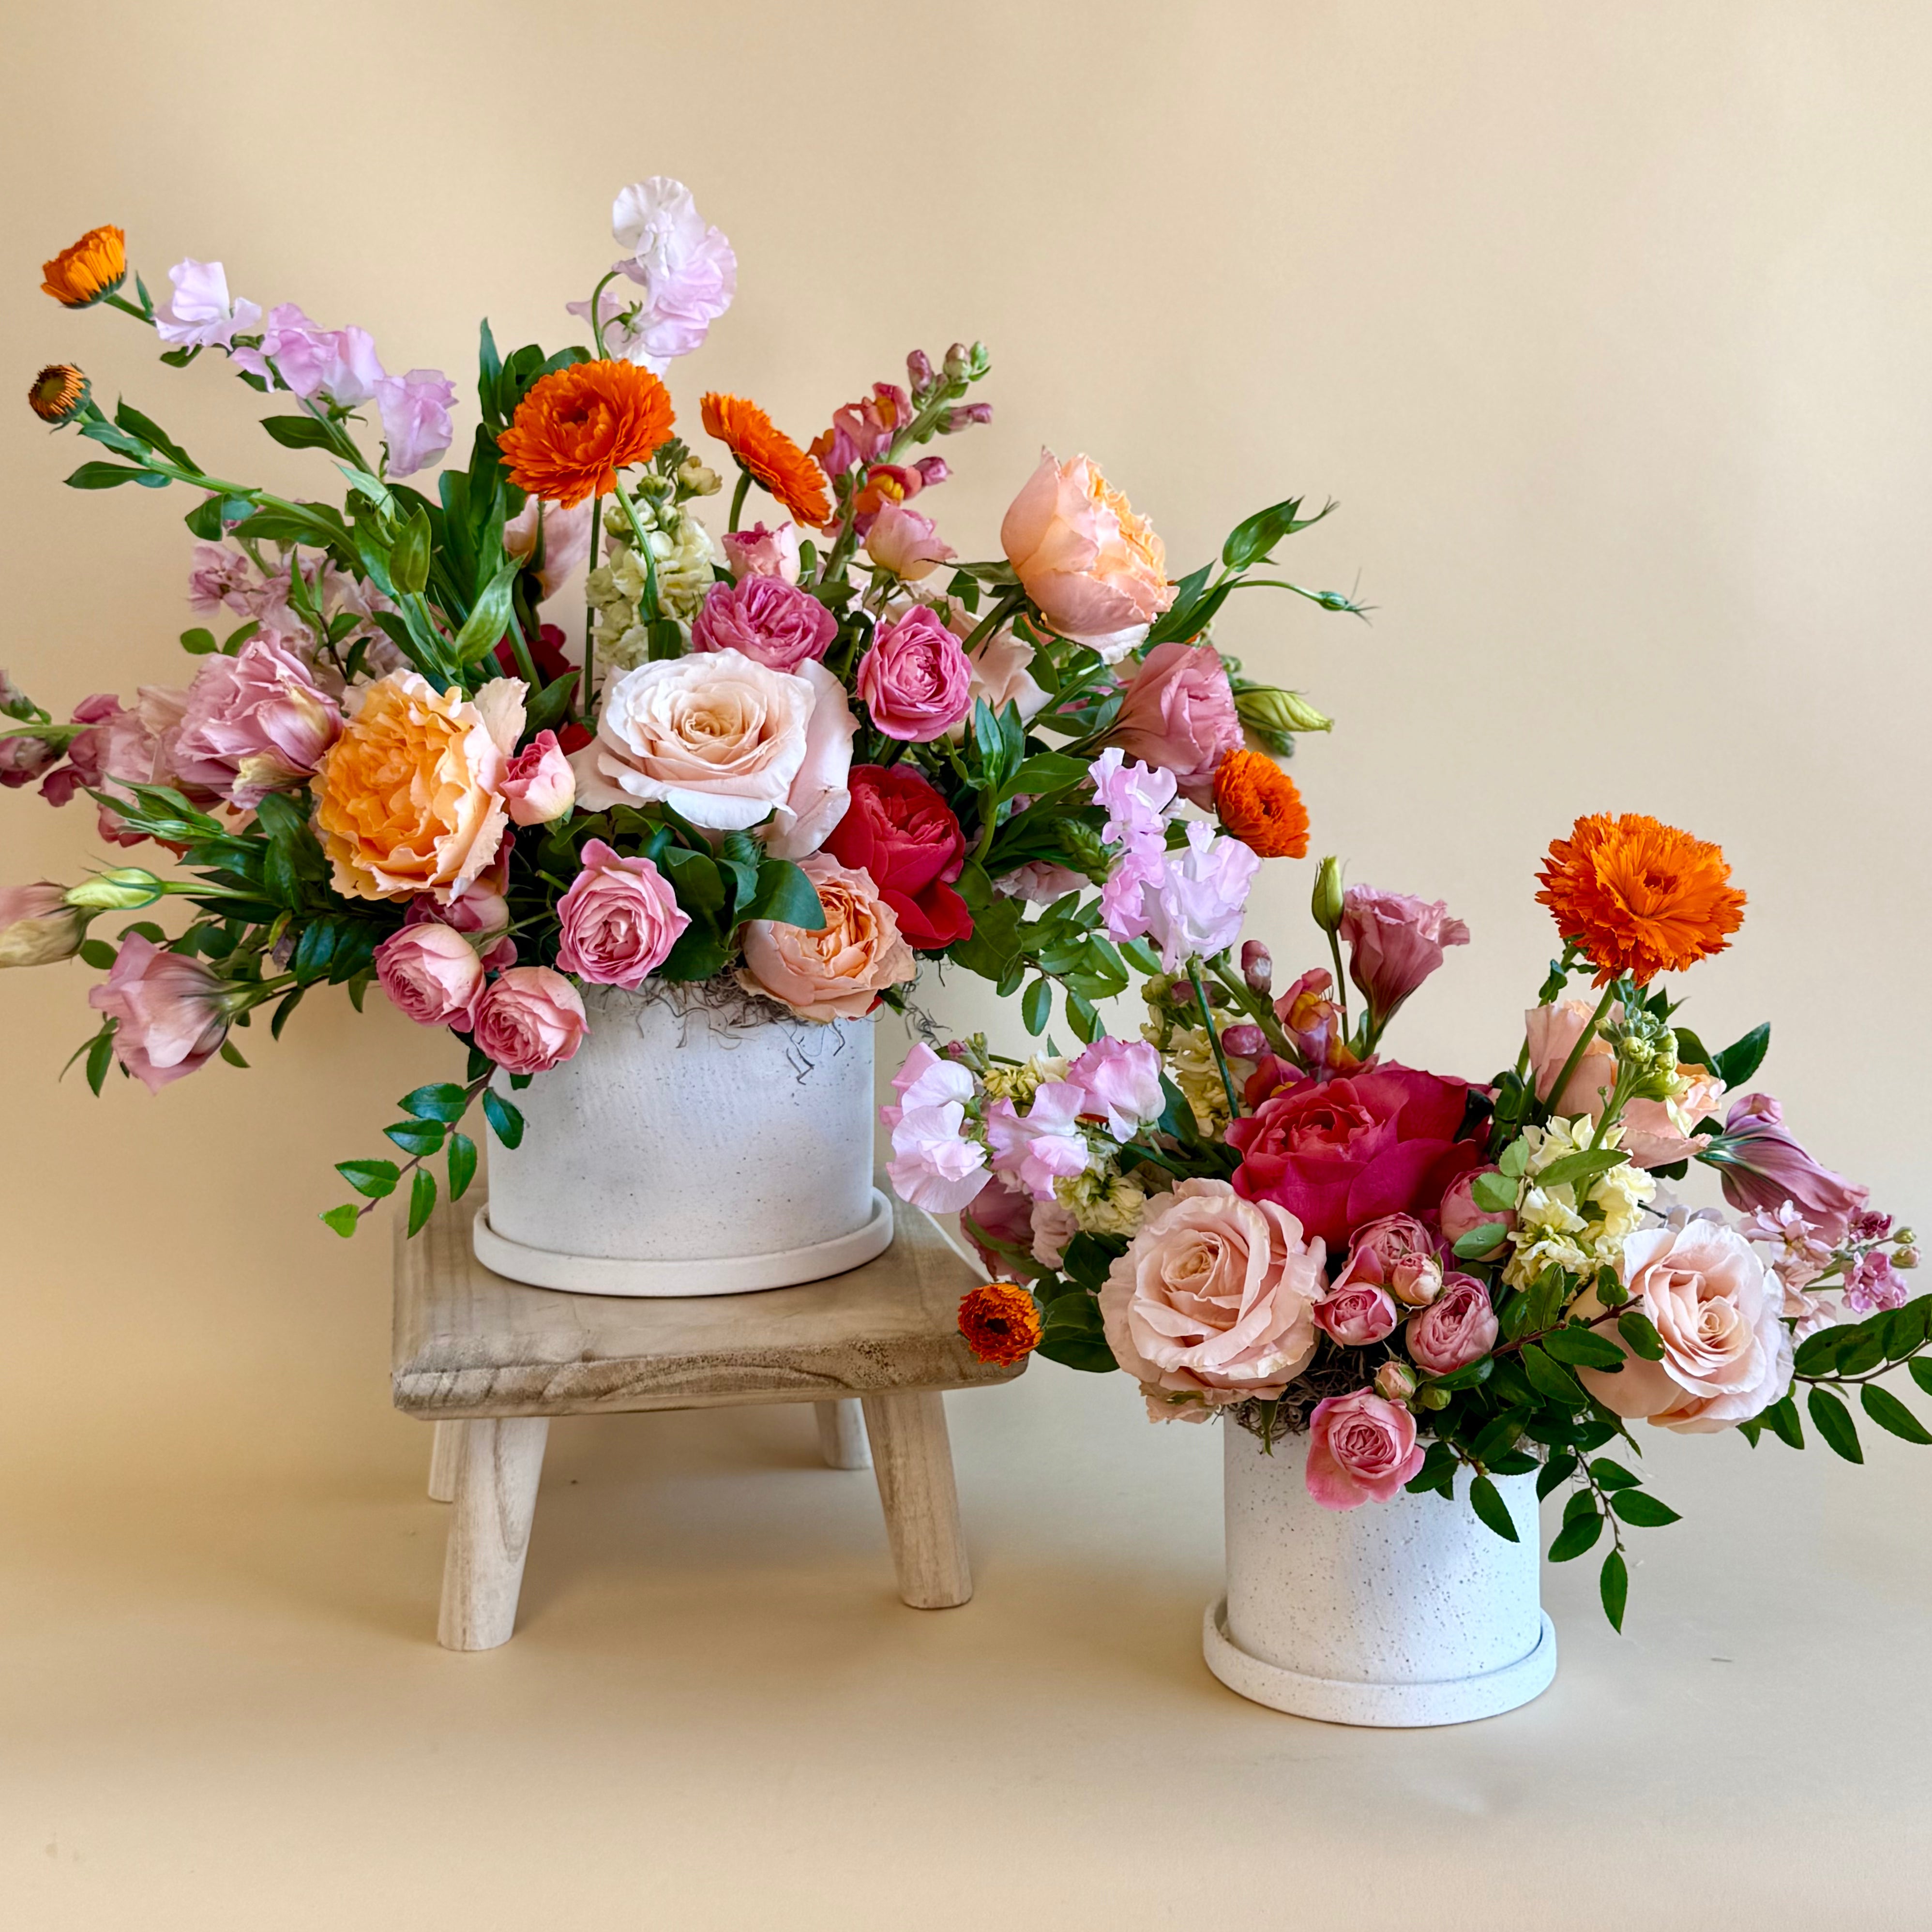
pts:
[1265, 709]
[1433, 1397]
[124, 888]
[1326, 904]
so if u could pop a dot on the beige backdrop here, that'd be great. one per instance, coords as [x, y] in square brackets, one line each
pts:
[1606, 325]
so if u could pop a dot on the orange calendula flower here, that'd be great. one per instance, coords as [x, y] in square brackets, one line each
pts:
[777, 464]
[999, 1323]
[580, 425]
[1639, 897]
[56, 394]
[96, 266]
[1259, 803]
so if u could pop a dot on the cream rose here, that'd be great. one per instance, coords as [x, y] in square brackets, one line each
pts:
[837, 972]
[1214, 1300]
[1716, 1307]
[727, 742]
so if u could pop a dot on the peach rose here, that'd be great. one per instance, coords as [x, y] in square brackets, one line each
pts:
[1215, 1299]
[1552, 1031]
[407, 798]
[837, 972]
[1716, 1307]
[1097, 572]
[727, 742]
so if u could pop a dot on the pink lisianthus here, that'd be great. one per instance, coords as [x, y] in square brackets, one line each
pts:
[916, 680]
[529, 1020]
[565, 535]
[415, 418]
[772, 622]
[1395, 942]
[1179, 714]
[1395, 1252]
[905, 542]
[199, 314]
[1357, 1314]
[170, 1014]
[1361, 1449]
[254, 723]
[23, 758]
[538, 783]
[1121, 1080]
[1762, 1166]
[1458, 1327]
[1045, 1146]
[431, 974]
[759, 552]
[338, 364]
[37, 926]
[619, 920]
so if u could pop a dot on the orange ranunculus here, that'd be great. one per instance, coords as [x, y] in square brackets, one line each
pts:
[1639, 897]
[96, 266]
[56, 394]
[777, 464]
[1259, 804]
[1000, 1322]
[580, 425]
[408, 798]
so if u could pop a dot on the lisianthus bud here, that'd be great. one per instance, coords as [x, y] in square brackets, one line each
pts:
[1905, 1258]
[37, 926]
[1275, 714]
[124, 888]
[1257, 966]
[1326, 903]
[1395, 1382]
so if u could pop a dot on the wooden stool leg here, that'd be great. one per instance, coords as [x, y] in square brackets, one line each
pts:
[842, 1435]
[497, 1474]
[445, 1453]
[913, 1460]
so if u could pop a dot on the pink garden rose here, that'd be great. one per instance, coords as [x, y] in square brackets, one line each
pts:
[1716, 1308]
[1357, 1314]
[1361, 1449]
[1762, 1166]
[431, 974]
[905, 542]
[1395, 942]
[37, 926]
[538, 783]
[836, 971]
[254, 723]
[1397, 1252]
[773, 622]
[1213, 1300]
[915, 680]
[1179, 716]
[759, 552]
[619, 920]
[1458, 1327]
[1458, 1215]
[169, 1007]
[529, 1020]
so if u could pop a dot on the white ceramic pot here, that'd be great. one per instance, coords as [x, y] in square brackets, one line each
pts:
[689, 1153]
[1407, 1612]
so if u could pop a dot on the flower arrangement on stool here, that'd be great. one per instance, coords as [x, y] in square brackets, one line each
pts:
[1421, 1304]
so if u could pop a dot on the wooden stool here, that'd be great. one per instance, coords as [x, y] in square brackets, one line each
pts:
[490, 1361]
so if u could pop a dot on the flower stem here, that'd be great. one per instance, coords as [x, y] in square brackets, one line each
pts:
[596, 320]
[1583, 1039]
[590, 611]
[1213, 1037]
[738, 496]
[644, 550]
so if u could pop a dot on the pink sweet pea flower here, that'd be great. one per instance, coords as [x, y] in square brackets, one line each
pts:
[415, 418]
[685, 268]
[198, 314]
[1395, 941]
[926, 1080]
[1048, 1143]
[1361, 1449]
[170, 1010]
[933, 1165]
[539, 783]
[1203, 893]
[1137, 798]
[339, 363]
[1121, 1080]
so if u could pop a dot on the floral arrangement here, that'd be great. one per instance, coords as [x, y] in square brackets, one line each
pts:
[1255, 1214]
[788, 767]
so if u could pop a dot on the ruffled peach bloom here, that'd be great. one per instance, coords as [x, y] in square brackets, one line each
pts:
[408, 798]
[1097, 572]
[838, 972]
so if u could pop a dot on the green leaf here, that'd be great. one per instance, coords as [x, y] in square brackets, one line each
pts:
[197, 643]
[150, 432]
[299, 432]
[1495, 1193]
[786, 894]
[109, 476]
[1486, 1501]
[98, 954]
[1582, 1348]
[1547, 1378]
[375, 1178]
[422, 1199]
[1479, 1241]
[1613, 1584]
[1886, 1410]
[1920, 1370]
[1637, 1329]
[506, 1122]
[462, 1165]
[408, 556]
[1468, 1376]
[1816, 1353]
[1610, 1475]
[1046, 772]
[1905, 1328]
[1742, 1058]
[416, 1137]
[1556, 1472]
[1250, 541]
[101, 1056]
[1036, 1006]
[1781, 1419]
[232, 1054]
[445, 1101]
[1585, 1165]
[1833, 1420]
[1640, 1507]
[483, 630]
[343, 1219]
[1580, 1532]
[548, 708]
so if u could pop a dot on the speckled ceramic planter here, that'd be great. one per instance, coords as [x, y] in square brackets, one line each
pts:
[689, 1153]
[1408, 1612]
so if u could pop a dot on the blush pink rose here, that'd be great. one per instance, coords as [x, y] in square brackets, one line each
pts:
[1656, 1133]
[1361, 1449]
[1458, 1327]
[538, 783]
[905, 542]
[773, 622]
[1214, 1300]
[169, 1008]
[759, 552]
[1395, 941]
[431, 974]
[917, 681]
[1179, 716]
[529, 1020]
[1552, 1032]
[254, 723]
[1356, 1314]
[1458, 1215]
[619, 920]
[838, 971]
[1397, 1252]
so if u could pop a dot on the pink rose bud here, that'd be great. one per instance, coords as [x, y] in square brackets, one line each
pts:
[1458, 1213]
[529, 1020]
[916, 680]
[1257, 966]
[1396, 1253]
[1356, 1316]
[431, 974]
[1361, 1449]
[759, 552]
[538, 784]
[1458, 1327]
[1395, 1382]
[37, 926]
[619, 920]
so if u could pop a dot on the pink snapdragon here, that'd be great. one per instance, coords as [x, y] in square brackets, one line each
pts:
[415, 418]
[170, 1016]
[199, 314]
[1045, 1146]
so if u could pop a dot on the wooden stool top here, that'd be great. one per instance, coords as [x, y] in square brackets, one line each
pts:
[467, 1342]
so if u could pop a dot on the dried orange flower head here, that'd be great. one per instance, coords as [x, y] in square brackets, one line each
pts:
[777, 464]
[1259, 804]
[999, 1323]
[56, 394]
[96, 266]
[579, 426]
[1639, 897]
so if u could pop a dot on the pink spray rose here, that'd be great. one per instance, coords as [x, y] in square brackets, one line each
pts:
[431, 974]
[1762, 1166]
[773, 622]
[1458, 1327]
[1214, 1300]
[905, 542]
[1395, 1252]
[415, 418]
[254, 723]
[538, 783]
[529, 1019]
[619, 920]
[170, 1011]
[915, 680]
[1357, 1314]
[1395, 942]
[1179, 714]
[37, 926]
[1458, 1215]
[1361, 1449]
[759, 552]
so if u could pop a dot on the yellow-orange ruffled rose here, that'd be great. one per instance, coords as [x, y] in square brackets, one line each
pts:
[837, 973]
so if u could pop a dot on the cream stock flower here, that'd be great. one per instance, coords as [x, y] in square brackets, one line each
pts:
[1576, 1226]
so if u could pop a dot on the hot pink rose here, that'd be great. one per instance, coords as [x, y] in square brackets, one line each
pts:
[1458, 1215]
[1357, 1314]
[539, 783]
[773, 622]
[915, 680]
[759, 552]
[530, 1020]
[254, 723]
[1179, 714]
[170, 1010]
[1395, 942]
[1458, 1327]
[619, 920]
[1762, 1166]
[1361, 1449]
[1396, 1253]
[431, 974]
